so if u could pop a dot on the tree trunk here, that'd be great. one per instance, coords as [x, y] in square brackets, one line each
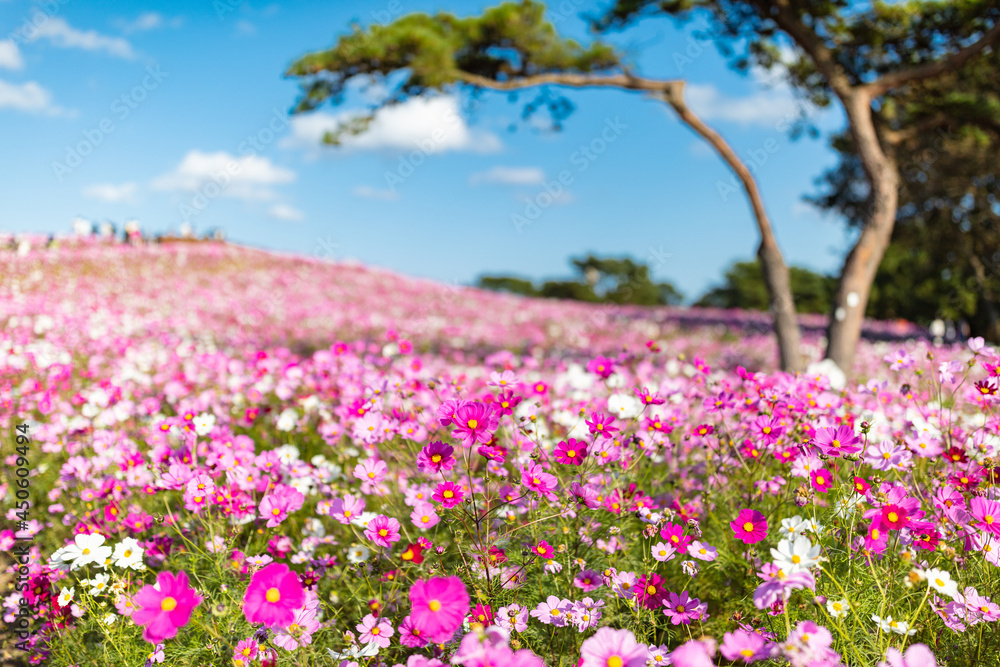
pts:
[861, 264]
[776, 275]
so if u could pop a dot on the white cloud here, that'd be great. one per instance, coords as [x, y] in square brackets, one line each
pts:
[110, 192]
[245, 177]
[765, 107]
[245, 27]
[368, 192]
[430, 125]
[30, 97]
[509, 176]
[285, 212]
[10, 56]
[62, 34]
[149, 21]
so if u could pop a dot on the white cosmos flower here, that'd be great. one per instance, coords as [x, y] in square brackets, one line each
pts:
[87, 549]
[287, 420]
[838, 608]
[796, 556]
[942, 582]
[362, 520]
[98, 584]
[358, 554]
[889, 625]
[793, 527]
[128, 554]
[624, 406]
[66, 596]
[204, 423]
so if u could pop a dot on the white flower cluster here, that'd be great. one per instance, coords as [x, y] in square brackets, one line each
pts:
[91, 550]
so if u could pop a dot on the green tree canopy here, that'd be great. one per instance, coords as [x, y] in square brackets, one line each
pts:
[743, 287]
[598, 280]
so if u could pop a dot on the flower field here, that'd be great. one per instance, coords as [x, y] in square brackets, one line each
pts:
[234, 457]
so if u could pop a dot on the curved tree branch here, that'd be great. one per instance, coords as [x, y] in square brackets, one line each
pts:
[775, 270]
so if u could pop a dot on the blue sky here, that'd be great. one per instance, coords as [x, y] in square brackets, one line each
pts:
[119, 110]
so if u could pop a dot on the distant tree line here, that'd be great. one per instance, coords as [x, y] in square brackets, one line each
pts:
[906, 287]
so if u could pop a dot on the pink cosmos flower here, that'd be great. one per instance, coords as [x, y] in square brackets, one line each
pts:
[371, 473]
[674, 535]
[822, 479]
[681, 608]
[601, 366]
[506, 402]
[273, 596]
[348, 509]
[837, 441]
[749, 526]
[663, 552]
[647, 397]
[588, 580]
[383, 531]
[777, 588]
[438, 606]
[543, 550]
[475, 422]
[162, 612]
[435, 457]
[986, 513]
[613, 648]
[276, 506]
[767, 429]
[650, 591]
[602, 425]
[746, 646]
[886, 455]
[552, 611]
[409, 635]
[300, 631]
[424, 517]
[917, 655]
[246, 651]
[694, 653]
[376, 630]
[570, 452]
[536, 479]
[448, 494]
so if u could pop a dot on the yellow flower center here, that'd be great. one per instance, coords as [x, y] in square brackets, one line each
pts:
[615, 661]
[434, 605]
[473, 423]
[436, 458]
[571, 453]
[273, 595]
[168, 604]
[748, 526]
[796, 559]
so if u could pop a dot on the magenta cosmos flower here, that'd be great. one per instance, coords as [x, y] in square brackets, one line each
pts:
[383, 531]
[448, 494]
[273, 596]
[438, 606]
[822, 479]
[161, 612]
[837, 441]
[987, 514]
[436, 457]
[749, 526]
[570, 452]
[745, 646]
[474, 422]
[613, 648]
